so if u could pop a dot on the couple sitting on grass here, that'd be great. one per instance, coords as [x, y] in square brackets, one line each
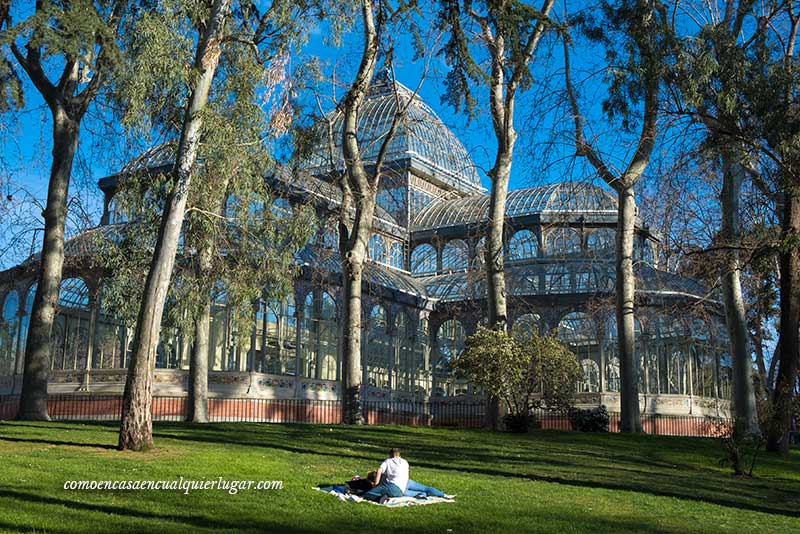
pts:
[391, 480]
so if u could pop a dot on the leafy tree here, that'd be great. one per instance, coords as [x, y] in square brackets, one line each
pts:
[774, 89]
[712, 66]
[739, 79]
[210, 29]
[636, 34]
[136, 428]
[525, 371]
[68, 51]
[360, 179]
[241, 251]
[509, 33]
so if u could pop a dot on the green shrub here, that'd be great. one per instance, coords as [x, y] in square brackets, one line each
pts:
[526, 371]
[592, 420]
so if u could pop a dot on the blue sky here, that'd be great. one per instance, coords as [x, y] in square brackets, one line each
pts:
[540, 156]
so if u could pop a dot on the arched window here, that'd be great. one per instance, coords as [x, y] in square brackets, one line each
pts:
[455, 255]
[563, 241]
[601, 241]
[330, 237]
[611, 350]
[578, 331]
[377, 248]
[421, 346]
[328, 338]
[423, 260]
[450, 343]
[9, 329]
[280, 334]
[379, 349]
[404, 348]
[318, 337]
[396, 256]
[523, 245]
[557, 279]
[73, 293]
[69, 344]
[528, 324]
[577, 328]
[219, 330]
[25, 321]
[702, 360]
[308, 338]
[667, 358]
[591, 376]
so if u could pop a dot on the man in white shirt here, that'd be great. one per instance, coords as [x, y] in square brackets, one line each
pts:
[392, 477]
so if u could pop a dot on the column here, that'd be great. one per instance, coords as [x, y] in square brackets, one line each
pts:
[90, 341]
[19, 360]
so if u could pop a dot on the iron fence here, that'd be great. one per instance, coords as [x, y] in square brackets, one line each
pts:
[436, 412]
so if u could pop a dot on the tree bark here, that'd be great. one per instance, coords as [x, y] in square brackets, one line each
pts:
[502, 101]
[198, 372]
[746, 418]
[136, 428]
[33, 400]
[630, 417]
[359, 191]
[789, 342]
[352, 413]
[758, 345]
[198, 365]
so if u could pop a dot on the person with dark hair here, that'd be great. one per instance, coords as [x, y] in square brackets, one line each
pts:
[392, 478]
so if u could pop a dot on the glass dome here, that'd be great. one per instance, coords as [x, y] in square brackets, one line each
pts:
[153, 158]
[562, 197]
[422, 137]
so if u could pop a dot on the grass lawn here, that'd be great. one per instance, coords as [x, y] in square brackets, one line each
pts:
[546, 481]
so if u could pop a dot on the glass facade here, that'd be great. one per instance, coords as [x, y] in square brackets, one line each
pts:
[424, 288]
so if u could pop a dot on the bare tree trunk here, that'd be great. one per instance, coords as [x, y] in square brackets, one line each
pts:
[359, 191]
[198, 372]
[495, 273]
[136, 428]
[758, 345]
[778, 431]
[746, 418]
[630, 417]
[625, 285]
[198, 365]
[773, 366]
[33, 400]
[498, 314]
[352, 413]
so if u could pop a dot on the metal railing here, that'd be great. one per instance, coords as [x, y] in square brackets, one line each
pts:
[435, 412]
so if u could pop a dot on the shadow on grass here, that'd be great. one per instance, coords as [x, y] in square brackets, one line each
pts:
[59, 442]
[618, 473]
[571, 460]
[188, 520]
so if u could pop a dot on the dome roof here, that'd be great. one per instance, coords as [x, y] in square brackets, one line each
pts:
[421, 137]
[548, 279]
[153, 158]
[562, 197]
